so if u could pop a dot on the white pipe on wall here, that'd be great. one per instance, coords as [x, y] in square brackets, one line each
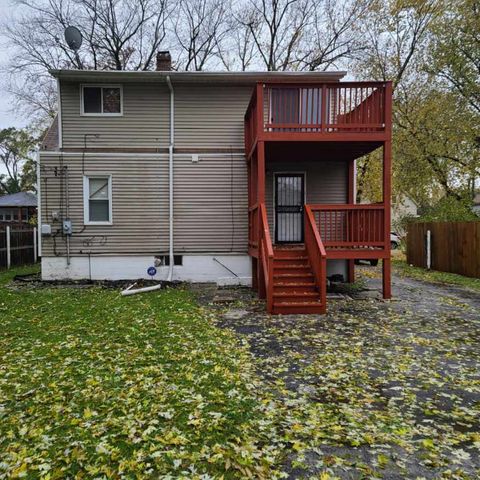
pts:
[170, 177]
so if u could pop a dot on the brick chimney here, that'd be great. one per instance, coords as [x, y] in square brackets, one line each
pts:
[164, 61]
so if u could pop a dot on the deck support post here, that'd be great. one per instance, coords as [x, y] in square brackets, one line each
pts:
[260, 199]
[254, 273]
[351, 200]
[387, 188]
[386, 278]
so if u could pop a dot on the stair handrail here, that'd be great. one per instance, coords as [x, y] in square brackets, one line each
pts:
[266, 255]
[317, 254]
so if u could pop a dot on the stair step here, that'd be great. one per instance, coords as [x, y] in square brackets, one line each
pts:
[298, 307]
[289, 253]
[300, 258]
[296, 297]
[293, 284]
[294, 290]
[292, 266]
[293, 276]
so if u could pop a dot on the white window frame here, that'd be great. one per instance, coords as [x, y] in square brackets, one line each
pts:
[101, 86]
[86, 198]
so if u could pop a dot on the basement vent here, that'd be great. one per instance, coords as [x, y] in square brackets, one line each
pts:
[177, 260]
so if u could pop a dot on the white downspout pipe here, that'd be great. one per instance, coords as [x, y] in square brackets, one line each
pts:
[170, 177]
[39, 204]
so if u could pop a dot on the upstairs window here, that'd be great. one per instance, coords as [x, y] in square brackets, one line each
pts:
[101, 100]
[97, 194]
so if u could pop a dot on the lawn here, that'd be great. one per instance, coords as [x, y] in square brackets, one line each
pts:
[94, 385]
[403, 268]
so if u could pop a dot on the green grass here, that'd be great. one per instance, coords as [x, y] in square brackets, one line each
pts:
[95, 385]
[403, 268]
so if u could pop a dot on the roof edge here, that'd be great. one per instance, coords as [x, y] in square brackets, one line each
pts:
[192, 77]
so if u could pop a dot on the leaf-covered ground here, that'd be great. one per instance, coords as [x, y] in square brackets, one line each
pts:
[93, 385]
[375, 389]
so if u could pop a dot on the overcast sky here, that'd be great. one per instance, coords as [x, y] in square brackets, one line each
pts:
[7, 118]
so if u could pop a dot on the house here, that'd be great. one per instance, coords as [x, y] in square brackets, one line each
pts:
[18, 207]
[403, 207]
[476, 204]
[236, 177]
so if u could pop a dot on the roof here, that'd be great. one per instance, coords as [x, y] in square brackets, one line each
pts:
[50, 140]
[20, 199]
[195, 77]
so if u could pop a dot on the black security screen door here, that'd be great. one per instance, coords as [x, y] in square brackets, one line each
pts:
[289, 198]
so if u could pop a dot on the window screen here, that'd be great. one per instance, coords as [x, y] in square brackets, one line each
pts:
[111, 100]
[99, 200]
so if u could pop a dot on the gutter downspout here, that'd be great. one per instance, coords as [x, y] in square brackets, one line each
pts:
[170, 177]
[39, 205]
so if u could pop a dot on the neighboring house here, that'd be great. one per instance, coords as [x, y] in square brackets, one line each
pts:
[476, 204]
[206, 176]
[18, 207]
[403, 207]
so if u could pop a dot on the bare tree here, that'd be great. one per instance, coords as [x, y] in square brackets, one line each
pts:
[334, 35]
[301, 34]
[118, 34]
[200, 28]
[276, 28]
[238, 50]
[395, 34]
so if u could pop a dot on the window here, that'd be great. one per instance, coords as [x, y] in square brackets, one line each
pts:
[97, 197]
[101, 100]
[296, 106]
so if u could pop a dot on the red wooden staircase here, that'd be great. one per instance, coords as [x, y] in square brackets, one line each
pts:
[292, 279]
[294, 287]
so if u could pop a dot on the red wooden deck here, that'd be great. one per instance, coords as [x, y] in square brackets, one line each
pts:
[347, 119]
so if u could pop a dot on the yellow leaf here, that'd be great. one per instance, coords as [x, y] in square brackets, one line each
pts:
[20, 472]
[87, 413]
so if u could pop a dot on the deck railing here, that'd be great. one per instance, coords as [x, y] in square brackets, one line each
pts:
[265, 255]
[352, 107]
[350, 226]
[316, 254]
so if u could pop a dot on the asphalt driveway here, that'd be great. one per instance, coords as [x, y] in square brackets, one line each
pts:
[374, 389]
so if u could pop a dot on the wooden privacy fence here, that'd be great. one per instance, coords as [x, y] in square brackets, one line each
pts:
[18, 245]
[454, 246]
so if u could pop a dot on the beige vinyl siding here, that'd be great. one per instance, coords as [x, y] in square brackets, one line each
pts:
[139, 201]
[210, 116]
[145, 121]
[326, 182]
[211, 205]
[203, 204]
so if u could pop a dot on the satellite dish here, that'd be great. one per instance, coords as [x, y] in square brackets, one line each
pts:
[73, 37]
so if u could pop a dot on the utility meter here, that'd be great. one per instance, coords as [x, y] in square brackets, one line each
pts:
[67, 227]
